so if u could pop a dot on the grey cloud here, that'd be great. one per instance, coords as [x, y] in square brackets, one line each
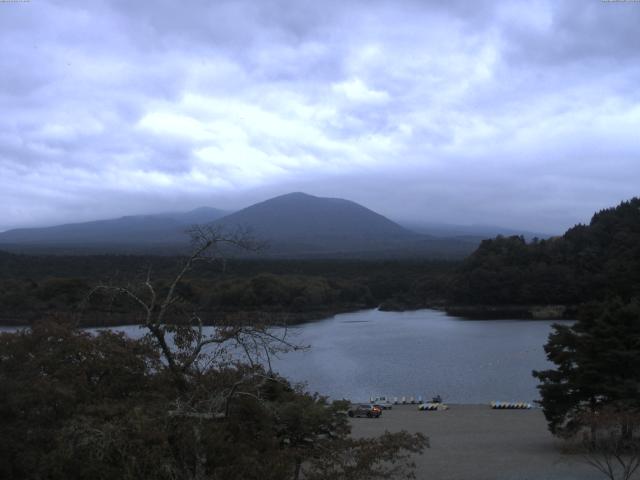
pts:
[516, 112]
[579, 32]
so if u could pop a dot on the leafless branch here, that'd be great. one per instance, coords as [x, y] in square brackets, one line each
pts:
[613, 447]
[183, 359]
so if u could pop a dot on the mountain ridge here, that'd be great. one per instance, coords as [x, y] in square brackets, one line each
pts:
[125, 229]
[295, 225]
[305, 216]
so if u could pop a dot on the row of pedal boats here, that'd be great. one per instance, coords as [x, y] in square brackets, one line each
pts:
[493, 405]
[437, 404]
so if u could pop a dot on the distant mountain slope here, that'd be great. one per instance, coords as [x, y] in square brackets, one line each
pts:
[200, 215]
[480, 232]
[135, 229]
[302, 225]
[301, 216]
[295, 225]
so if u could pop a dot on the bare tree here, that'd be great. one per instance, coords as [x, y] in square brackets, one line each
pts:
[178, 328]
[612, 445]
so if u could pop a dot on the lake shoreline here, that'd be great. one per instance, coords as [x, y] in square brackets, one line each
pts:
[124, 319]
[512, 312]
[279, 318]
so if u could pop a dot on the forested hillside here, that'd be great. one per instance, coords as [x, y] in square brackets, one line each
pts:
[35, 286]
[588, 262]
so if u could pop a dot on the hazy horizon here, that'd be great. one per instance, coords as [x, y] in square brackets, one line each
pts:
[523, 115]
[407, 223]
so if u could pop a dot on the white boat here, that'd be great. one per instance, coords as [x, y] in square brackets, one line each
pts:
[383, 401]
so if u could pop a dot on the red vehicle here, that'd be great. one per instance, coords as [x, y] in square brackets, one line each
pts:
[365, 410]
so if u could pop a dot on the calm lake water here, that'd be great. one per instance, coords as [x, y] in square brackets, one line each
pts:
[418, 353]
[424, 352]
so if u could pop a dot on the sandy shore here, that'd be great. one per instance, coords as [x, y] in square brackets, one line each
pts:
[474, 442]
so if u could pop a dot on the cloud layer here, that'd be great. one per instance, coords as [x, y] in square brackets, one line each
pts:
[520, 113]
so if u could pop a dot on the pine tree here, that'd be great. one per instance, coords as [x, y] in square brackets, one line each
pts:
[597, 364]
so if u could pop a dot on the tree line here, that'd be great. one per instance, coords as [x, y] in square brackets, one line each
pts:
[589, 262]
[33, 287]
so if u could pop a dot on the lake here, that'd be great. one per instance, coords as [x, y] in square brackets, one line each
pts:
[423, 352]
[417, 353]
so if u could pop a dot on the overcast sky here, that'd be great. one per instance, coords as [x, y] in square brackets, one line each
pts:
[522, 114]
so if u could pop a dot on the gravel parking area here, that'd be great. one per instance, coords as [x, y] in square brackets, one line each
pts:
[474, 442]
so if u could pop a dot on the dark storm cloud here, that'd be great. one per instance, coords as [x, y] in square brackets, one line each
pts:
[523, 113]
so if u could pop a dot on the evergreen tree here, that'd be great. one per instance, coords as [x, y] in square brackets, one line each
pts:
[589, 262]
[597, 364]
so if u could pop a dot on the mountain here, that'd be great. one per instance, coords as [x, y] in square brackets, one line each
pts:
[200, 215]
[298, 224]
[294, 225]
[305, 217]
[163, 228]
[302, 225]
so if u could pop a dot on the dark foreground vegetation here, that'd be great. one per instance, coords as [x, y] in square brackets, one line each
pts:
[597, 362]
[78, 406]
[177, 404]
[592, 395]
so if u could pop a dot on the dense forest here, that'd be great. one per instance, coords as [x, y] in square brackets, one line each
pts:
[502, 278]
[293, 290]
[589, 262]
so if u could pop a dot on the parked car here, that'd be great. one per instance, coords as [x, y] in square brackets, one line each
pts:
[365, 410]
